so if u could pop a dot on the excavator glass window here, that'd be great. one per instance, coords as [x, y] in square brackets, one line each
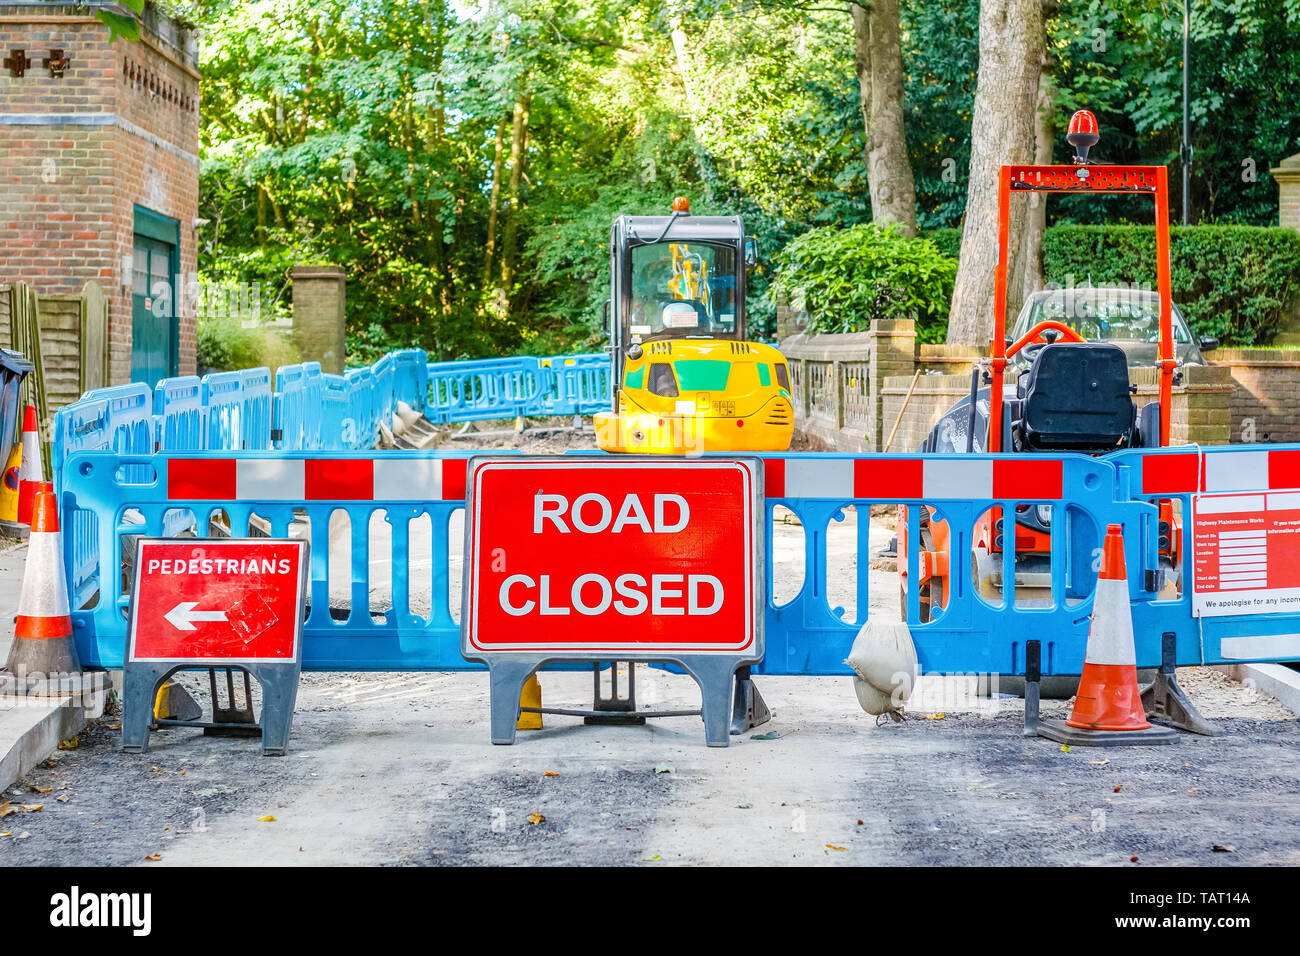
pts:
[682, 289]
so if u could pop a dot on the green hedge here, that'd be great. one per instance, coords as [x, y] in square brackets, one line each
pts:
[845, 278]
[1232, 282]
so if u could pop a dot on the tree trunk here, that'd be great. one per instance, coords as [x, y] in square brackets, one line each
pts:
[1012, 40]
[518, 156]
[494, 204]
[1028, 277]
[878, 59]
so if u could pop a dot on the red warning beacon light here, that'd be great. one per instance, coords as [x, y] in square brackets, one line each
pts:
[682, 204]
[1082, 135]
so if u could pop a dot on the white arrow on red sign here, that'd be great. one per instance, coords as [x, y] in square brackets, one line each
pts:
[183, 616]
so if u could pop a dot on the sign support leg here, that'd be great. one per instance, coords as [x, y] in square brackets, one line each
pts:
[279, 695]
[139, 688]
[714, 675]
[1033, 674]
[614, 709]
[506, 676]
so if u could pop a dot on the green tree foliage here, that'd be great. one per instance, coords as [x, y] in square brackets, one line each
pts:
[463, 159]
[845, 278]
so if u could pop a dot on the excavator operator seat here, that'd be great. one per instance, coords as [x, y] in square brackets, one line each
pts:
[1075, 397]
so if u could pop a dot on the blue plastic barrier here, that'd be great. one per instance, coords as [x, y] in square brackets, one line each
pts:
[255, 399]
[297, 406]
[488, 389]
[223, 398]
[804, 635]
[1272, 474]
[179, 409]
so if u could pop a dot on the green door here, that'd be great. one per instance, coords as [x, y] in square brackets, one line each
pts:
[153, 299]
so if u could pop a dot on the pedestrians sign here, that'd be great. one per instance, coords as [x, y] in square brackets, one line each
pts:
[229, 600]
[600, 559]
[209, 603]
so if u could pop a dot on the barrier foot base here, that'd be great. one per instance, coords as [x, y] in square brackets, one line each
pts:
[1167, 701]
[240, 721]
[1033, 672]
[620, 711]
[748, 709]
[1063, 733]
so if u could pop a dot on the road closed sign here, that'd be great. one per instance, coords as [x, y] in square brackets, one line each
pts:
[596, 556]
[206, 600]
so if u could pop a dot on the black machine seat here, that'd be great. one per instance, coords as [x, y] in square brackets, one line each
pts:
[1075, 397]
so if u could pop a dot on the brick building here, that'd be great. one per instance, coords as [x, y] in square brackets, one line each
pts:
[99, 174]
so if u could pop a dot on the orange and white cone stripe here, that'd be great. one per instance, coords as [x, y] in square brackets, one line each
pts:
[43, 605]
[29, 477]
[1108, 697]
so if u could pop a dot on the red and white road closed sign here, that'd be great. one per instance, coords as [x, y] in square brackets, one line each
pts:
[201, 600]
[599, 556]
[1247, 553]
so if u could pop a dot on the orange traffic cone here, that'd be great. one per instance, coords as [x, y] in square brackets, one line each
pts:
[30, 477]
[1108, 708]
[43, 650]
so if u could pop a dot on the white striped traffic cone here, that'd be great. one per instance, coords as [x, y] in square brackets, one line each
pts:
[30, 477]
[43, 648]
[1108, 707]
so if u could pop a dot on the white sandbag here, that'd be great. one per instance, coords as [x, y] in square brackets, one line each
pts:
[399, 424]
[883, 660]
[409, 415]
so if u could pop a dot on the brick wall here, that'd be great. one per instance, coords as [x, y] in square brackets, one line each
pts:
[1265, 400]
[850, 390]
[68, 187]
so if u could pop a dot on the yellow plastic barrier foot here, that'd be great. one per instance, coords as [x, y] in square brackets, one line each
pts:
[530, 696]
[175, 703]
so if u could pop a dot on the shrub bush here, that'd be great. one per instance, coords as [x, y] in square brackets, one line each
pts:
[225, 344]
[1232, 282]
[843, 279]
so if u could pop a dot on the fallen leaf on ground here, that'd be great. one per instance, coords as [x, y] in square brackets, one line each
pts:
[62, 798]
[938, 716]
[838, 849]
[1191, 792]
[266, 819]
[114, 726]
[744, 806]
[663, 768]
[6, 809]
[70, 744]
[1099, 763]
[1224, 848]
[41, 789]
[536, 818]
[770, 735]
[1132, 859]
[32, 807]
[22, 836]
[649, 859]
[7, 833]
[153, 857]
[550, 773]
[1118, 787]
[1065, 748]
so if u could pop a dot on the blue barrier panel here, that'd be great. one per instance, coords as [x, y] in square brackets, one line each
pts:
[575, 385]
[488, 389]
[296, 407]
[1263, 480]
[970, 633]
[255, 393]
[313, 385]
[411, 377]
[382, 373]
[178, 406]
[82, 426]
[361, 410]
[223, 397]
[407, 486]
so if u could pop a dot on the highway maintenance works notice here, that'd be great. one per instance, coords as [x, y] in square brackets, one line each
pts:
[573, 555]
[1246, 552]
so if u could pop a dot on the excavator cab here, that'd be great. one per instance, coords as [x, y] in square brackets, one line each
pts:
[688, 379]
